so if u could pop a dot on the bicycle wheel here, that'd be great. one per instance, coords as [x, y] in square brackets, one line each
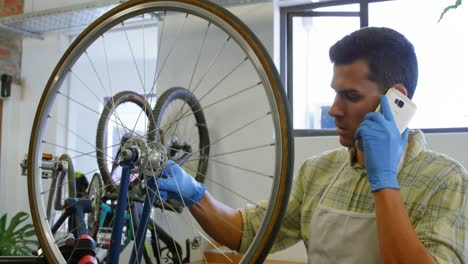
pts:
[117, 106]
[180, 43]
[62, 185]
[182, 136]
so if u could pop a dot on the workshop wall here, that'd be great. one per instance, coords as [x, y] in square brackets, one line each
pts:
[18, 115]
[10, 50]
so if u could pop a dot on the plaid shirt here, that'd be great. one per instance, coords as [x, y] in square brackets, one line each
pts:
[433, 186]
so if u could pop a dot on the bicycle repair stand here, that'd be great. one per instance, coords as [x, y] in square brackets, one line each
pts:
[75, 213]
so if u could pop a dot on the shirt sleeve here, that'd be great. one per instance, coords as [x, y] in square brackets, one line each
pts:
[442, 229]
[290, 229]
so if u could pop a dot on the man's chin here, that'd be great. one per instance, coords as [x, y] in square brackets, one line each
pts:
[346, 142]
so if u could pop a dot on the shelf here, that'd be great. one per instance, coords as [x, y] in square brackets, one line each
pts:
[36, 24]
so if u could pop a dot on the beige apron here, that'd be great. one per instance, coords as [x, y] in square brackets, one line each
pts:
[338, 236]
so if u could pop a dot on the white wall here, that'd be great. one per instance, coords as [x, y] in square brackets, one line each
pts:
[38, 60]
[40, 57]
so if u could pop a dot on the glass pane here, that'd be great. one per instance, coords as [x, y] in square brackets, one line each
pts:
[442, 54]
[312, 70]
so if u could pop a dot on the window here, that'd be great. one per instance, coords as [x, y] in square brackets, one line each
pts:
[306, 69]
[312, 73]
[442, 53]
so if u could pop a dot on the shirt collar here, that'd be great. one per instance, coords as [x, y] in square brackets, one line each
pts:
[416, 144]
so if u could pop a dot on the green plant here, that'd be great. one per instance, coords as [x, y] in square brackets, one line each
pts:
[17, 238]
[457, 4]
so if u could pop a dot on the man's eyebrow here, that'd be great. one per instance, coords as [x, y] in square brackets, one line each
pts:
[345, 90]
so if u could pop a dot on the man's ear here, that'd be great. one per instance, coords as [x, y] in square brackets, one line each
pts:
[401, 88]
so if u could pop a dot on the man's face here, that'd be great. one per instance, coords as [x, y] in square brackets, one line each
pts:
[355, 96]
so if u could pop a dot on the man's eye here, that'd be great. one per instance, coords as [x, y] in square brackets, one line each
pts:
[352, 96]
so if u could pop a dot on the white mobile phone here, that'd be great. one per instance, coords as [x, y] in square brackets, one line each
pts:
[403, 109]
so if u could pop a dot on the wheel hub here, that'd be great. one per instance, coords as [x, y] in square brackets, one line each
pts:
[149, 158]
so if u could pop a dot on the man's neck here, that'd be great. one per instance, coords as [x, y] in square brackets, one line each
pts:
[360, 157]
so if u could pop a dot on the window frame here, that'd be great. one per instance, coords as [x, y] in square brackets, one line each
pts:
[303, 9]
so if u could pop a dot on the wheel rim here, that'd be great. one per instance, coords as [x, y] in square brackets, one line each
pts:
[261, 64]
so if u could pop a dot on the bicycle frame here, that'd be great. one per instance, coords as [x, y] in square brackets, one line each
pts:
[116, 236]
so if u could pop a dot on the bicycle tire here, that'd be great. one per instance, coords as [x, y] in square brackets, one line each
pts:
[265, 68]
[101, 132]
[182, 94]
[96, 193]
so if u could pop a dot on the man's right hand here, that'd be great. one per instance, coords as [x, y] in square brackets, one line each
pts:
[179, 185]
[383, 146]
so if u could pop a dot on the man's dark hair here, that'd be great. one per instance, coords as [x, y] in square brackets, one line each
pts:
[389, 55]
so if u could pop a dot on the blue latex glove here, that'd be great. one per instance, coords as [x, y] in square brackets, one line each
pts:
[177, 184]
[383, 146]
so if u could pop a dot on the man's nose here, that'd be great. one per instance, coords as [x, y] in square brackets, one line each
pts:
[335, 109]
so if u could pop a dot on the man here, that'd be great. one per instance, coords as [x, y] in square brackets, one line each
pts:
[383, 198]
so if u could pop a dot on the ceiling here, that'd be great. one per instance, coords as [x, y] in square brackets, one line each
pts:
[36, 24]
